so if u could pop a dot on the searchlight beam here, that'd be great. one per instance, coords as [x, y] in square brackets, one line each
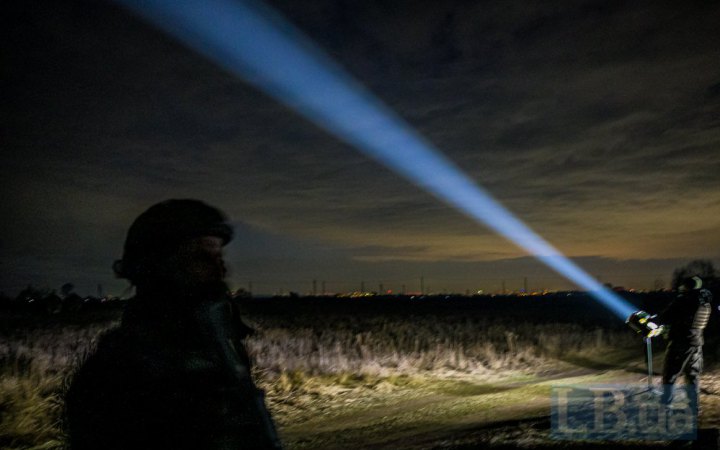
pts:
[257, 44]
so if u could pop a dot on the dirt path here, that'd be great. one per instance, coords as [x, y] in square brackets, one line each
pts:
[457, 413]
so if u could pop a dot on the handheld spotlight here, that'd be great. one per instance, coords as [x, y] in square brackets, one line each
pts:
[641, 322]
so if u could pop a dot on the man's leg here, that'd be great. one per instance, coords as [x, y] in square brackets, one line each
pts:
[672, 367]
[693, 368]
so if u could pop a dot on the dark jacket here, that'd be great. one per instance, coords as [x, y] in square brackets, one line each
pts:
[688, 316]
[173, 375]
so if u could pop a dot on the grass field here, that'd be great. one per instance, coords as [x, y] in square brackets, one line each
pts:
[362, 376]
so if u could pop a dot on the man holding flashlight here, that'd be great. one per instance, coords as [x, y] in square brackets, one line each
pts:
[686, 318]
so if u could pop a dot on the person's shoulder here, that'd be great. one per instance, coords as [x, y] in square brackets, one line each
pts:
[705, 296]
[110, 340]
[103, 361]
[114, 348]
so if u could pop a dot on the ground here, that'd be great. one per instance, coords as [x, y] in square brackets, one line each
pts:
[390, 375]
[456, 411]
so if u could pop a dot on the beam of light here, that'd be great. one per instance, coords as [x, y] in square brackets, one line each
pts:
[257, 44]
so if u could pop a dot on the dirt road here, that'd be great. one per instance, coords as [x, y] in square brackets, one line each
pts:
[459, 412]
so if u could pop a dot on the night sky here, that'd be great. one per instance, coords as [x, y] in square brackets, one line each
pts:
[596, 122]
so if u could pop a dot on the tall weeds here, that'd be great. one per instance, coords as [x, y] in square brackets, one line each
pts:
[34, 368]
[36, 363]
[384, 346]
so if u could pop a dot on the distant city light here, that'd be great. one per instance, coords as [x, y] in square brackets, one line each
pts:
[257, 44]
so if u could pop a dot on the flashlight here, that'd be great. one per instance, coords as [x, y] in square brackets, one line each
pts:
[641, 322]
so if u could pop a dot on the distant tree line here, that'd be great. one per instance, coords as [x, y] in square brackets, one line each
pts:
[50, 302]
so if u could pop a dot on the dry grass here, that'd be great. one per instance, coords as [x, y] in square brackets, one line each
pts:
[383, 346]
[305, 362]
[34, 367]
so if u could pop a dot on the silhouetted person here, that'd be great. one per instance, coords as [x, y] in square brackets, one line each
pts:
[175, 374]
[687, 317]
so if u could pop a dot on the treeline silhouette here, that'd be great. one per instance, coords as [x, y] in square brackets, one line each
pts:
[46, 302]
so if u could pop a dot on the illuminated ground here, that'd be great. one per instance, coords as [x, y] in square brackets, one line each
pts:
[452, 412]
[381, 375]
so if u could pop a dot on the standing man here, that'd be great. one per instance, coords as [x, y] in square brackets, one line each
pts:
[175, 374]
[687, 316]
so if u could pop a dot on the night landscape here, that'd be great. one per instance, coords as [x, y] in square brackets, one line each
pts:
[399, 299]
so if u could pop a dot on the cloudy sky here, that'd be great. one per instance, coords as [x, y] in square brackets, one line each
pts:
[596, 122]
